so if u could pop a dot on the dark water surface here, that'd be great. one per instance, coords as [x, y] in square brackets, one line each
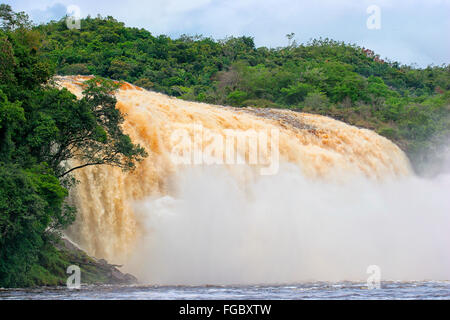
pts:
[312, 290]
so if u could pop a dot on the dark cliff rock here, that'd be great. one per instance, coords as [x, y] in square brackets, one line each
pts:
[93, 271]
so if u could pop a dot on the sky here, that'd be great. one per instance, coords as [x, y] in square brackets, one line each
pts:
[409, 31]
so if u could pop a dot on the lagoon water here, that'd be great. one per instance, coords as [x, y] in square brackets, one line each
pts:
[312, 290]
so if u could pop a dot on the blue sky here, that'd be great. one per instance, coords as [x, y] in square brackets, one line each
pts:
[412, 31]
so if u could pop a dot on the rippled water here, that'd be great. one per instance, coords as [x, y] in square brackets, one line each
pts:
[313, 290]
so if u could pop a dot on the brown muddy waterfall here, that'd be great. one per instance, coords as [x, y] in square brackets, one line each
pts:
[338, 199]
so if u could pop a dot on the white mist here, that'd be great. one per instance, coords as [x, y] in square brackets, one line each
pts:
[287, 228]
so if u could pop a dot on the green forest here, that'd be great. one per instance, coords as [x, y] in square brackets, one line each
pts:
[42, 126]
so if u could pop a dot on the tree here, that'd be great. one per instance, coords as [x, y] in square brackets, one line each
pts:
[87, 130]
[290, 36]
[41, 128]
[7, 62]
[11, 117]
[10, 20]
[316, 101]
[236, 97]
[31, 209]
[296, 92]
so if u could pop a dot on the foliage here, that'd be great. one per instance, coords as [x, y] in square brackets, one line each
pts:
[41, 127]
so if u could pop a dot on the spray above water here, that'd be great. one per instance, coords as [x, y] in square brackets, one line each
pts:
[342, 199]
[287, 228]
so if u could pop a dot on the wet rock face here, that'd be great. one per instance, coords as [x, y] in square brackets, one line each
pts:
[94, 271]
[284, 117]
[120, 278]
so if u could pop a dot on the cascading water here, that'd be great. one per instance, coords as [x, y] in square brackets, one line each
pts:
[342, 199]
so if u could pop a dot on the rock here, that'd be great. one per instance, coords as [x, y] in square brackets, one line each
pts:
[102, 262]
[122, 278]
[94, 271]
